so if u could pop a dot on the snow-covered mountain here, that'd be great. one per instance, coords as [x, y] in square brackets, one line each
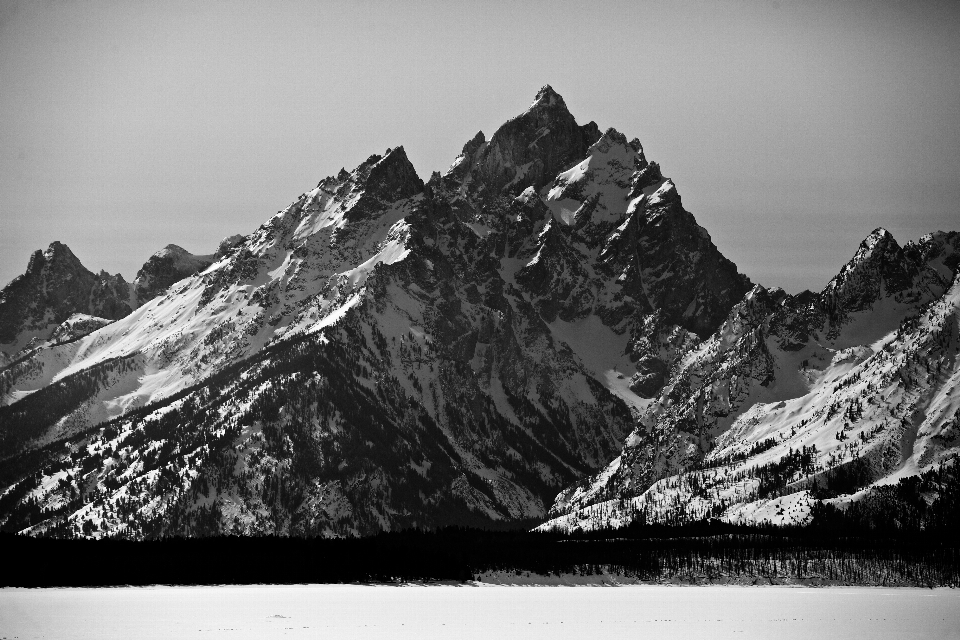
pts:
[58, 299]
[382, 352]
[797, 398]
[170, 265]
[385, 353]
[54, 287]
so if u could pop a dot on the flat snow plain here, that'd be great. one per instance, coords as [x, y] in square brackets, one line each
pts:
[353, 611]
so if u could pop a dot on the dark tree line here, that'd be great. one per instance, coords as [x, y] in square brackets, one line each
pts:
[696, 553]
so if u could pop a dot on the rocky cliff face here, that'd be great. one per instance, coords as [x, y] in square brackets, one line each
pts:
[54, 287]
[384, 352]
[40, 305]
[166, 267]
[526, 151]
[860, 378]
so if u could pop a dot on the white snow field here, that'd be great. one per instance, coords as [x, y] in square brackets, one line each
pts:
[352, 611]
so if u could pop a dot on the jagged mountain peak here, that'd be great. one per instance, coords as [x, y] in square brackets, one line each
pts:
[879, 242]
[805, 297]
[862, 376]
[389, 177]
[878, 235]
[172, 250]
[394, 176]
[759, 291]
[615, 136]
[175, 254]
[548, 107]
[474, 143]
[547, 97]
[57, 254]
[761, 299]
[611, 138]
[58, 249]
[603, 187]
[664, 195]
[473, 343]
[529, 149]
[380, 354]
[879, 268]
[879, 245]
[55, 286]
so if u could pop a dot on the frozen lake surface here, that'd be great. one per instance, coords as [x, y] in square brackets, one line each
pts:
[329, 611]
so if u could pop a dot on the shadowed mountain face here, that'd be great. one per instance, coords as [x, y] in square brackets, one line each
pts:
[54, 287]
[526, 151]
[167, 266]
[386, 353]
[381, 353]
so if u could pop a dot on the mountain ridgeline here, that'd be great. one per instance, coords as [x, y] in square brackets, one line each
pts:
[540, 336]
[58, 299]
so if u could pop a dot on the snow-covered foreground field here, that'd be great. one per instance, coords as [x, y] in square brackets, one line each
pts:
[485, 612]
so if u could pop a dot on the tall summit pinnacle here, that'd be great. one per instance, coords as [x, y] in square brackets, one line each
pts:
[528, 149]
[57, 255]
[879, 268]
[547, 96]
[55, 286]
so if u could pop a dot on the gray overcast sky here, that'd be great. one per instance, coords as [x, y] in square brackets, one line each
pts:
[791, 128]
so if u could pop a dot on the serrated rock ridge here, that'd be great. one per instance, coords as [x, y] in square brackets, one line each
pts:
[543, 317]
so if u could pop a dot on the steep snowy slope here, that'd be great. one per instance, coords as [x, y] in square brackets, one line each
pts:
[56, 286]
[834, 392]
[381, 353]
[230, 311]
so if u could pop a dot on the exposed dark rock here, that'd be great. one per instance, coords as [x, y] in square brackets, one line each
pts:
[169, 265]
[528, 150]
[56, 286]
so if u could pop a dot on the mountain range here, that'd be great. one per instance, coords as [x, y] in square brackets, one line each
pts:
[540, 336]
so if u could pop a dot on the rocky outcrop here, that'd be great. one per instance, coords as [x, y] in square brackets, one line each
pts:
[77, 326]
[227, 245]
[167, 266]
[55, 286]
[528, 150]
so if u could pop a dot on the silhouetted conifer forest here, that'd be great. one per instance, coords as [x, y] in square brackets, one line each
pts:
[896, 536]
[831, 551]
